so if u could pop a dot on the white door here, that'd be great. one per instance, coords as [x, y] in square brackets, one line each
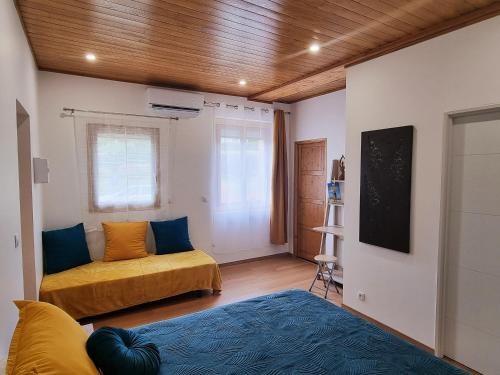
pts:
[472, 317]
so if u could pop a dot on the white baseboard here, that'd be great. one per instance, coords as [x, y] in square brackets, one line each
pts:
[236, 256]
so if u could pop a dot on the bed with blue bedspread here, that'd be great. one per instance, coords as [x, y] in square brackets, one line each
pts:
[290, 332]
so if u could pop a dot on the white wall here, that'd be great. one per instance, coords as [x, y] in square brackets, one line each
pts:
[191, 172]
[320, 117]
[18, 81]
[414, 86]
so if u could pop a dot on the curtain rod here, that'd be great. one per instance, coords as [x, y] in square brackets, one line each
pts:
[235, 106]
[207, 104]
[73, 110]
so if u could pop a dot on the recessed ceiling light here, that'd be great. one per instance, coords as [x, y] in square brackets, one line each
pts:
[90, 57]
[314, 47]
[242, 82]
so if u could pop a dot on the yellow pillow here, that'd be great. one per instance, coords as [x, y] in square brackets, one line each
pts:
[47, 341]
[125, 240]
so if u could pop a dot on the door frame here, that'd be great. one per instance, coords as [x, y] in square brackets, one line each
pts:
[26, 205]
[295, 183]
[439, 331]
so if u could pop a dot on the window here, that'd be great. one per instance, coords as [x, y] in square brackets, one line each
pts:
[243, 164]
[123, 168]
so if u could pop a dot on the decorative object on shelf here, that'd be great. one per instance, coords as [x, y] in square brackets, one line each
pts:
[334, 194]
[331, 190]
[338, 169]
[341, 169]
[335, 170]
[385, 192]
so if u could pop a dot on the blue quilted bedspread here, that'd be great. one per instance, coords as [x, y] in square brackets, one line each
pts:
[291, 332]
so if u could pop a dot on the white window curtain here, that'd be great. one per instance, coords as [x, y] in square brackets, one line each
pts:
[119, 148]
[241, 203]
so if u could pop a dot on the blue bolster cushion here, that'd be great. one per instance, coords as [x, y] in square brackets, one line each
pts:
[119, 351]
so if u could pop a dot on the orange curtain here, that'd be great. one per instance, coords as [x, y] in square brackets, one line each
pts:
[279, 192]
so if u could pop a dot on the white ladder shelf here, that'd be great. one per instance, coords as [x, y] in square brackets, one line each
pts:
[333, 229]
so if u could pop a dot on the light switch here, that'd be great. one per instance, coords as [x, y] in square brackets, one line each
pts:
[16, 241]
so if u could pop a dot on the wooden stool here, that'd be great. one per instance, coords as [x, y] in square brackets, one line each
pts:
[323, 261]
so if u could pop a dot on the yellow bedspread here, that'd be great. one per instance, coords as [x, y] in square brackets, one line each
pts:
[101, 287]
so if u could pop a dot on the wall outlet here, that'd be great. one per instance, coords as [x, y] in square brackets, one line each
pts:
[361, 296]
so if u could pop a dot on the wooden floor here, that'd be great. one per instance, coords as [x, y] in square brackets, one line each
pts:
[239, 282]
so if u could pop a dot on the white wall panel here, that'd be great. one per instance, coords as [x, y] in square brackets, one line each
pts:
[474, 183]
[471, 232]
[483, 138]
[473, 298]
[476, 349]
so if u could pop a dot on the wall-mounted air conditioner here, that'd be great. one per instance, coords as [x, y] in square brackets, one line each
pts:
[174, 103]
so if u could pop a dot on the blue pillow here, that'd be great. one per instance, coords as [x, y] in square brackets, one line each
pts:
[171, 236]
[64, 249]
[119, 351]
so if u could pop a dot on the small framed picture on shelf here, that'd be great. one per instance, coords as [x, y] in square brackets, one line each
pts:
[334, 193]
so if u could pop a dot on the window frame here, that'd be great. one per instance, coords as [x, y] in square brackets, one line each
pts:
[93, 132]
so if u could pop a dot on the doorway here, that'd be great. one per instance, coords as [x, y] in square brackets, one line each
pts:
[26, 201]
[471, 298]
[309, 196]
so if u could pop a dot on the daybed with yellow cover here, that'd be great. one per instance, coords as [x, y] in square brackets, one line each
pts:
[100, 287]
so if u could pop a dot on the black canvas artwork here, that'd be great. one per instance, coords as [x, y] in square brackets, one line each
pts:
[386, 159]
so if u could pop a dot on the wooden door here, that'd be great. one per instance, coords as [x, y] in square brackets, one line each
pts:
[310, 191]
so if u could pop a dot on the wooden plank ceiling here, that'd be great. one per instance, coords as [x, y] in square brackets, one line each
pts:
[210, 45]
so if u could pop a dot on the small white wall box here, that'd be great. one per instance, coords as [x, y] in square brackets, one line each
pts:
[40, 171]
